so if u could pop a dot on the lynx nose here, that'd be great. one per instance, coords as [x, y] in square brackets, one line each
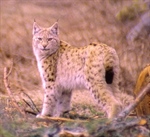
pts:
[44, 44]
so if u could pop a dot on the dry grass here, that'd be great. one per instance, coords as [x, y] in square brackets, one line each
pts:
[81, 22]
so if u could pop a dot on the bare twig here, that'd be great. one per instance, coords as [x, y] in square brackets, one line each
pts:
[31, 104]
[7, 86]
[30, 112]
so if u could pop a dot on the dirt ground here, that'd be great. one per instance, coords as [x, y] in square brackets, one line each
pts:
[80, 22]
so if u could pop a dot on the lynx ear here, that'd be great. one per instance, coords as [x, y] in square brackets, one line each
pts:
[36, 28]
[54, 28]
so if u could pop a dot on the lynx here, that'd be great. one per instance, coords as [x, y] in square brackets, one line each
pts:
[64, 68]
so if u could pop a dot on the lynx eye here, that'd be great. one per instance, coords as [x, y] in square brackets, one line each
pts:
[49, 39]
[39, 39]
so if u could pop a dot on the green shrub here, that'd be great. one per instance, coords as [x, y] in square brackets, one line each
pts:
[130, 12]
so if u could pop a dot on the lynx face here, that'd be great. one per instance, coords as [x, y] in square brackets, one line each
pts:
[45, 40]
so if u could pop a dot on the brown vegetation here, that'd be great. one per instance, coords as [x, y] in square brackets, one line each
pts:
[81, 22]
[143, 80]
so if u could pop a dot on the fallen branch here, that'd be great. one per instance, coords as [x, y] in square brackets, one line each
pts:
[118, 122]
[66, 133]
[60, 119]
[118, 126]
[132, 106]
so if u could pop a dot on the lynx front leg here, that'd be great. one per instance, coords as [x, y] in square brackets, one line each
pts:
[50, 101]
[63, 104]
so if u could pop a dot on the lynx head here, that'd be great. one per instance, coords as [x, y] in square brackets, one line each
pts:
[45, 40]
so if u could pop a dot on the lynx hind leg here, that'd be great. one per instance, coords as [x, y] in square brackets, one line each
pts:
[102, 92]
[63, 104]
[105, 99]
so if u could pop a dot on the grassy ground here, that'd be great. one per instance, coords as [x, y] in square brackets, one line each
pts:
[80, 22]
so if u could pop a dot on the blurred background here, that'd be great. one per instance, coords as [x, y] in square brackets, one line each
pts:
[112, 22]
